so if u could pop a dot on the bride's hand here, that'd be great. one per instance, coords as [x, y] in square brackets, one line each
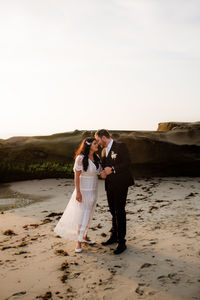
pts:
[103, 175]
[78, 196]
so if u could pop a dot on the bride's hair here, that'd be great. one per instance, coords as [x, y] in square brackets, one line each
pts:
[84, 149]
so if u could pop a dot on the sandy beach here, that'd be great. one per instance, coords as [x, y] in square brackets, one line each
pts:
[162, 260]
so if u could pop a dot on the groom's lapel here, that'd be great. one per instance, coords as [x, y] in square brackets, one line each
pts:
[112, 149]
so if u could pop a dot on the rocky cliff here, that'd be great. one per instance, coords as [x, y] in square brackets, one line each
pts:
[166, 126]
[172, 150]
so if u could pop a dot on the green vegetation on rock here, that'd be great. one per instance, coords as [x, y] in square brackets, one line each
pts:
[18, 171]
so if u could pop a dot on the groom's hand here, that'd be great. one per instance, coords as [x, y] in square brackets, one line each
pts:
[108, 170]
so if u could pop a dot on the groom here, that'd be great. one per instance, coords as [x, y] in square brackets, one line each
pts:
[116, 164]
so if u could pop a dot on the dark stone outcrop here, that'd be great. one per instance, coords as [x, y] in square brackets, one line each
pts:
[172, 150]
[166, 126]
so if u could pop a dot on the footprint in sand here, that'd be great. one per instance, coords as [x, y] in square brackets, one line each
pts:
[170, 278]
[145, 270]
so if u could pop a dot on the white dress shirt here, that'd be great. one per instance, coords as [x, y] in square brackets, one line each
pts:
[109, 147]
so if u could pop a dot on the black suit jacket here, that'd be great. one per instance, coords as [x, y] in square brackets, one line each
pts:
[118, 158]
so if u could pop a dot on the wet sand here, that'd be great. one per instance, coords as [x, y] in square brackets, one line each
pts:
[162, 260]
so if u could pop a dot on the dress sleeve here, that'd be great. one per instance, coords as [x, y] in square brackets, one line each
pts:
[78, 165]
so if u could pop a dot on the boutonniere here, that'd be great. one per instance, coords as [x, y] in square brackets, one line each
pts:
[113, 155]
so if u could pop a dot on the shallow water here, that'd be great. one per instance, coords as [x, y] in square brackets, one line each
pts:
[9, 203]
[10, 199]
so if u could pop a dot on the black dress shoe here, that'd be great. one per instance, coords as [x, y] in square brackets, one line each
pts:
[120, 248]
[110, 241]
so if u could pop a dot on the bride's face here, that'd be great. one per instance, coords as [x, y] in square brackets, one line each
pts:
[94, 146]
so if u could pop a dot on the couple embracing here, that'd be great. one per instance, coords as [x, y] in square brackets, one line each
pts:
[114, 167]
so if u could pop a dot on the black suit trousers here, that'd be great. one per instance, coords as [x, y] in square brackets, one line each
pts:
[117, 202]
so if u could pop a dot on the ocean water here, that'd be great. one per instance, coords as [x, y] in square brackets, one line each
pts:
[13, 202]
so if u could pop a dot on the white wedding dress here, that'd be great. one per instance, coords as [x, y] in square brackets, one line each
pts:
[77, 216]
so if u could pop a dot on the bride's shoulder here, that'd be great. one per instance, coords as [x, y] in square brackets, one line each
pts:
[79, 157]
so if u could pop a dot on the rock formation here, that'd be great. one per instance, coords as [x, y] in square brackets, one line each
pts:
[172, 150]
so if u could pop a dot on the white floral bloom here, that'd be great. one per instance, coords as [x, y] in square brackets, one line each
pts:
[113, 155]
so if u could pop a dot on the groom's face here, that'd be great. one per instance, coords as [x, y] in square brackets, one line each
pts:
[101, 141]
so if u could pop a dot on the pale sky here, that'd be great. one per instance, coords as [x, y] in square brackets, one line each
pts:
[90, 64]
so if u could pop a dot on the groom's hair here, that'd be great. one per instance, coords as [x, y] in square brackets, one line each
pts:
[102, 132]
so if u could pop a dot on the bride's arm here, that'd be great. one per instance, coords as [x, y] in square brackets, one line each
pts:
[78, 168]
[77, 185]
[101, 172]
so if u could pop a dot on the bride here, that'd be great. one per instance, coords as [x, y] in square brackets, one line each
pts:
[78, 214]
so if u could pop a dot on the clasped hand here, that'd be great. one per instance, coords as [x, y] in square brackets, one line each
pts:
[105, 172]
